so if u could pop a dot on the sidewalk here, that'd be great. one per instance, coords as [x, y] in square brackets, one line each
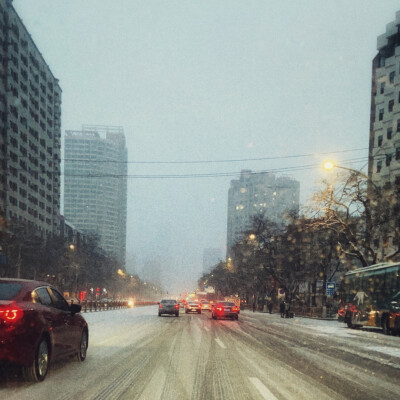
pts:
[301, 315]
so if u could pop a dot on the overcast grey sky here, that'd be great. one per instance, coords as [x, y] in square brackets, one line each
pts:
[211, 80]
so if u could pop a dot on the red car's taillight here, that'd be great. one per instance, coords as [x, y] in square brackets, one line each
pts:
[177, 306]
[235, 308]
[219, 308]
[160, 305]
[10, 314]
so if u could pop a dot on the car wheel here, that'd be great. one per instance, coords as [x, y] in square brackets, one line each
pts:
[199, 312]
[81, 355]
[177, 314]
[186, 311]
[37, 371]
[214, 316]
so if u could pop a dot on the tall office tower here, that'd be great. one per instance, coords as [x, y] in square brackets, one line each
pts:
[95, 185]
[384, 140]
[259, 193]
[211, 257]
[30, 112]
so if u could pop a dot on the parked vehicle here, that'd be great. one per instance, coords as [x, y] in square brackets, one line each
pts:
[37, 326]
[167, 306]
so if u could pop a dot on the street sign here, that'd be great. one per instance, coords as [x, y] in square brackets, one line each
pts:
[330, 288]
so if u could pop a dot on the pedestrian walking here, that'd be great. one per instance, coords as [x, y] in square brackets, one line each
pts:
[282, 309]
[287, 309]
[254, 306]
[269, 305]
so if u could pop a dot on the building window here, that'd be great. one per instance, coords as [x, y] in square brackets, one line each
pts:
[398, 153]
[391, 77]
[381, 112]
[398, 126]
[399, 98]
[389, 133]
[391, 104]
[388, 159]
[379, 166]
[382, 89]
[380, 140]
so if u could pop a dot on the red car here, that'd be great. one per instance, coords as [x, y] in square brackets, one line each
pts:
[225, 309]
[37, 326]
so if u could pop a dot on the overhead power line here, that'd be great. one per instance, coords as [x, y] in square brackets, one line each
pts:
[211, 174]
[214, 161]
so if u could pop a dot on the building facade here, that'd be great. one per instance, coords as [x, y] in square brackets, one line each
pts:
[30, 130]
[95, 185]
[259, 193]
[384, 142]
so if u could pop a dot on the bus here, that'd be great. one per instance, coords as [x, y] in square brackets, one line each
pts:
[370, 296]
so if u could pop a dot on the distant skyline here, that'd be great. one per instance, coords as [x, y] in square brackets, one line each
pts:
[211, 81]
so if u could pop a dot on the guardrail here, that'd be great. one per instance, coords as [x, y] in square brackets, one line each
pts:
[98, 305]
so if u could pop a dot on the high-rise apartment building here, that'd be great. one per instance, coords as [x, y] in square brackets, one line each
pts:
[384, 142]
[95, 185]
[30, 112]
[259, 193]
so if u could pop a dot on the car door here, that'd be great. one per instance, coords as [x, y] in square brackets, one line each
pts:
[53, 317]
[63, 327]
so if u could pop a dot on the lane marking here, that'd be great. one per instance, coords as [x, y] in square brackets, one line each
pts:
[220, 343]
[262, 389]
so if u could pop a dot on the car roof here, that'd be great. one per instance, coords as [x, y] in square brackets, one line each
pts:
[27, 286]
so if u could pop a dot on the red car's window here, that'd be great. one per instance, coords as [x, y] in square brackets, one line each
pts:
[59, 301]
[9, 290]
[41, 295]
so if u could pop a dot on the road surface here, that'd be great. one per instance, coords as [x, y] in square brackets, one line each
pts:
[134, 354]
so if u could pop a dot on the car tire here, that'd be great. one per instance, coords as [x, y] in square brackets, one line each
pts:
[177, 314]
[186, 312]
[199, 312]
[83, 345]
[214, 316]
[37, 371]
[159, 314]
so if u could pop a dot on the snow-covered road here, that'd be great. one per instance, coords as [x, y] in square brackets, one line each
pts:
[134, 354]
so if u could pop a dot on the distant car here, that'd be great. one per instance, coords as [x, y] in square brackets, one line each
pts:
[205, 305]
[193, 307]
[225, 309]
[37, 326]
[167, 306]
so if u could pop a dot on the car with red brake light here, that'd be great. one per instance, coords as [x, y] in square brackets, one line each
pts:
[168, 306]
[37, 326]
[193, 307]
[205, 305]
[225, 309]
